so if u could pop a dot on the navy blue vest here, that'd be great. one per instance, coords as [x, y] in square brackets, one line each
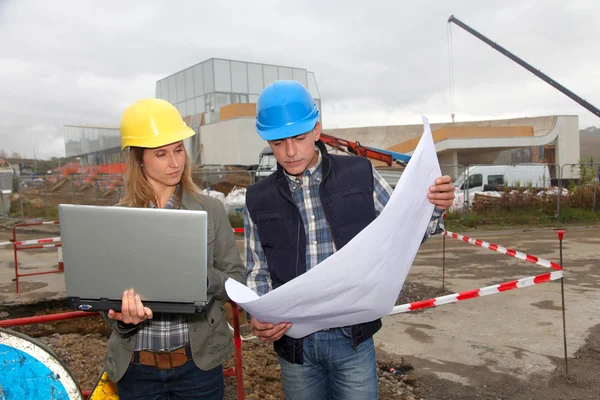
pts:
[346, 192]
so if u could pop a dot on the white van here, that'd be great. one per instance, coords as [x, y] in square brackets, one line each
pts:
[481, 178]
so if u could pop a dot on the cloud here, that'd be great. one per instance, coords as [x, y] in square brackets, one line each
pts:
[382, 63]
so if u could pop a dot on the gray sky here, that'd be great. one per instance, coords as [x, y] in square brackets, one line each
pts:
[377, 63]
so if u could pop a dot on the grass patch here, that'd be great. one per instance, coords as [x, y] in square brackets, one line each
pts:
[521, 218]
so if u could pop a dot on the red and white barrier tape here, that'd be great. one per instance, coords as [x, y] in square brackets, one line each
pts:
[509, 252]
[58, 239]
[40, 246]
[38, 241]
[485, 291]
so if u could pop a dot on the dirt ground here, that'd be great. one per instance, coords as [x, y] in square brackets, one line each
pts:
[81, 345]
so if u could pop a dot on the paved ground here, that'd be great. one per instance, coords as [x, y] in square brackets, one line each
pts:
[474, 343]
[516, 333]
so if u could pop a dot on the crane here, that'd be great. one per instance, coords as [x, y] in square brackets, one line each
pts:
[388, 157]
[525, 65]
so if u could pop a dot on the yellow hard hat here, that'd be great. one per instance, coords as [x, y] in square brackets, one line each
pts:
[152, 123]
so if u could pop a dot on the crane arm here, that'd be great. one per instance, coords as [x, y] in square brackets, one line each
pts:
[525, 65]
[388, 157]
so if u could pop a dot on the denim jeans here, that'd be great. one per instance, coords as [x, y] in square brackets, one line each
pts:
[184, 382]
[332, 369]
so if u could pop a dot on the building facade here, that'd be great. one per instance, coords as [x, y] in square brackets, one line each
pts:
[199, 92]
[214, 83]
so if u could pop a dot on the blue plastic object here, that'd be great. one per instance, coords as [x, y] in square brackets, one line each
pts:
[285, 109]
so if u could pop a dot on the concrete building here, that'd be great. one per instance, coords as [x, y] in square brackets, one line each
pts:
[550, 139]
[94, 145]
[218, 99]
[200, 93]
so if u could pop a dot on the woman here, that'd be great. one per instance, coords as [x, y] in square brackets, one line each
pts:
[156, 356]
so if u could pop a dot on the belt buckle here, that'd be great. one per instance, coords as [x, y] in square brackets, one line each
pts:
[157, 363]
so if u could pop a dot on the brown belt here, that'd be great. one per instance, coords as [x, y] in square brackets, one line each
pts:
[161, 359]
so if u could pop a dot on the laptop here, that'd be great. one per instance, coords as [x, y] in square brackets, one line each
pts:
[159, 253]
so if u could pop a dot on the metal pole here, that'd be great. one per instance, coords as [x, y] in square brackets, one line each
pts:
[47, 318]
[46, 201]
[466, 193]
[21, 200]
[559, 192]
[444, 257]
[595, 191]
[562, 290]
[14, 240]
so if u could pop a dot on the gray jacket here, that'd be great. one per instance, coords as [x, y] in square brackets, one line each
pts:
[210, 338]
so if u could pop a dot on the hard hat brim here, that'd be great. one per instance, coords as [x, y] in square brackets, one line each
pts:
[158, 141]
[288, 131]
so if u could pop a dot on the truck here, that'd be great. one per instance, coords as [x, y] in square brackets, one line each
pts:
[483, 178]
[267, 164]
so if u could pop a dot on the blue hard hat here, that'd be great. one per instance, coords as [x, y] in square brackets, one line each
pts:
[285, 109]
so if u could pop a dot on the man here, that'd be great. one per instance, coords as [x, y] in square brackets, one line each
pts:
[301, 214]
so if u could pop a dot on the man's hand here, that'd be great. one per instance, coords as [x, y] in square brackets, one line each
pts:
[132, 309]
[267, 332]
[442, 193]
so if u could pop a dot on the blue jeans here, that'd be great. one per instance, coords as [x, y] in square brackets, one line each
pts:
[332, 369]
[184, 382]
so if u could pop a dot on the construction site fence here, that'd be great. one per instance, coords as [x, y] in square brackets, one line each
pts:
[576, 183]
[549, 192]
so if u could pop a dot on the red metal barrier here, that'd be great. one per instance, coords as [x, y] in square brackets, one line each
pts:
[237, 340]
[33, 244]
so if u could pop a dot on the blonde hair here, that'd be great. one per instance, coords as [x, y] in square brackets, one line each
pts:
[138, 191]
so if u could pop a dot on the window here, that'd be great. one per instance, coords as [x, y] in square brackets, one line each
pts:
[495, 180]
[188, 78]
[180, 84]
[255, 78]
[221, 99]
[285, 73]
[207, 72]
[239, 77]
[270, 74]
[222, 71]
[300, 76]
[475, 181]
[199, 104]
[198, 80]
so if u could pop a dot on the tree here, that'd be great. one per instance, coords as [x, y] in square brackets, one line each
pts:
[3, 154]
[14, 154]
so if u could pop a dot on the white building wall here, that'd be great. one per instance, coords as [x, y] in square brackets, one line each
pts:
[567, 145]
[233, 141]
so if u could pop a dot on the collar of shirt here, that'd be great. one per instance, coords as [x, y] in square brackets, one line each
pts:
[172, 203]
[313, 172]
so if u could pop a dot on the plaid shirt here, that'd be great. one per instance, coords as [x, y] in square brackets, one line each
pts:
[164, 332]
[319, 241]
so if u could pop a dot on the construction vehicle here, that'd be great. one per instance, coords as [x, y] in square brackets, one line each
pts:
[525, 65]
[347, 146]
[267, 164]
